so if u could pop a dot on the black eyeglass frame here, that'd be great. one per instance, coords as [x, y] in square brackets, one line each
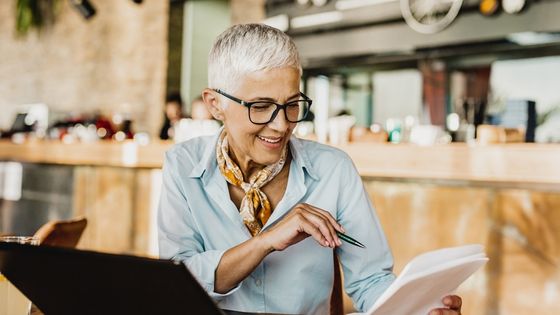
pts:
[275, 113]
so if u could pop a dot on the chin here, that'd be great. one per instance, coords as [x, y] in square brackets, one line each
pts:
[265, 156]
[267, 159]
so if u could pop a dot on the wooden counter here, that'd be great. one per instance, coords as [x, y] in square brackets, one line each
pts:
[101, 153]
[509, 163]
[506, 197]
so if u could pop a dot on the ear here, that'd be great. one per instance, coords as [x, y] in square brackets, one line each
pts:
[213, 104]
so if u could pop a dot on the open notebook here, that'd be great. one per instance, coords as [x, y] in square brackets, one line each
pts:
[427, 278]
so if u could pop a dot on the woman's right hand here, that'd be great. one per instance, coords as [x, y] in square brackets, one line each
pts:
[302, 221]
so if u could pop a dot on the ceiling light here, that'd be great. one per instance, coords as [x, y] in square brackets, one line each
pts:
[281, 22]
[316, 19]
[319, 3]
[355, 4]
[533, 38]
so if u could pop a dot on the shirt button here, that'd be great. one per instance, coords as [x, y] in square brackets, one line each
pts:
[258, 282]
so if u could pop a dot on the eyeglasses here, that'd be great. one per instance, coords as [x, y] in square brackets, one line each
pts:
[263, 112]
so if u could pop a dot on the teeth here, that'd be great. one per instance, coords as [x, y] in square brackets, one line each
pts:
[269, 140]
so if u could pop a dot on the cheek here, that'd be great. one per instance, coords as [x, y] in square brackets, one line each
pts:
[291, 128]
[241, 129]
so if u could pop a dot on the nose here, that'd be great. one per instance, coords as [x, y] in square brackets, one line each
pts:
[279, 123]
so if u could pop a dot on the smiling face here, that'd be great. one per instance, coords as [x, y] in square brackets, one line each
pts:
[255, 146]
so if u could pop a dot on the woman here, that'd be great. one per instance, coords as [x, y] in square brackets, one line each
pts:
[253, 211]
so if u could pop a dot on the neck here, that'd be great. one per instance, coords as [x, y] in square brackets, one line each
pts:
[247, 166]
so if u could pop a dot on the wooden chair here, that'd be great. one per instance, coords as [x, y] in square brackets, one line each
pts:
[61, 233]
[337, 305]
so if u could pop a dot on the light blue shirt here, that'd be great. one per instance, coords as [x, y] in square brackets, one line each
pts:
[198, 222]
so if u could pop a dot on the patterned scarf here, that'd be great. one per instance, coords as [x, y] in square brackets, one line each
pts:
[255, 208]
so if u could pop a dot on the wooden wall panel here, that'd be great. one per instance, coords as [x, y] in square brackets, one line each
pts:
[105, 196]
[418, 218]
[530, 278]
[141, 215]
[520, 229]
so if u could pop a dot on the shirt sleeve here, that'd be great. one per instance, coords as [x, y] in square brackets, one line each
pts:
[178, 238]
[367, 271]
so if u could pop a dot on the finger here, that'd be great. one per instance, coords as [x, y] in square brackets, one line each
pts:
[323, 223]
[443, 311]
[337, 225]
[304, 211]
[329, 220]
[309, 228]
[325, 227]
[454, 302]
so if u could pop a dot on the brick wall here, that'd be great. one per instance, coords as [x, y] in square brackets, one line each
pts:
[114, 62]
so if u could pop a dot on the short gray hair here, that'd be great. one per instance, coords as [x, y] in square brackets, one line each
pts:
[246, 48]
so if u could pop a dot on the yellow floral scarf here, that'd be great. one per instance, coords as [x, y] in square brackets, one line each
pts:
[255, 208]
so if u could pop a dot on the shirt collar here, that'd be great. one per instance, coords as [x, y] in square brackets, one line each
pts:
[208, 163]
[301, 158]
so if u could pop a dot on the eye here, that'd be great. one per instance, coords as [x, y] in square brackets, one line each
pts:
[262, 106]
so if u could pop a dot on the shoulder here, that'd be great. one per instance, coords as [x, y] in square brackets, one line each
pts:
[187, 154]
[323, 158]
[319, 151]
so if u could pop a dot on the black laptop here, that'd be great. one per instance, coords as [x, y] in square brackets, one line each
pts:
[69, 282]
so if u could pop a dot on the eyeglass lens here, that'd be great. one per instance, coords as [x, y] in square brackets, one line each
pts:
[262, 112]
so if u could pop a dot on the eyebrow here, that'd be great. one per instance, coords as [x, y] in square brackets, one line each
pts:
[255, 99]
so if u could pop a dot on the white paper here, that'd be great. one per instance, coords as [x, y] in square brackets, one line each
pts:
[427, 278]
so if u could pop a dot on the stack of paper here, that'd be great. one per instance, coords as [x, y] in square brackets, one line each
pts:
[427, 278]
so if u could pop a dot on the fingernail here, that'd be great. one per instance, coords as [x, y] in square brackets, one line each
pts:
[343, 230]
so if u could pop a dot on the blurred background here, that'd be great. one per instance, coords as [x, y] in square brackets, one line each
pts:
[449, 108]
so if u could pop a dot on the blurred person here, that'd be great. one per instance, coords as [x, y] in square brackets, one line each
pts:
[199, 110]
[172, 115]
[201, 123]
[253, 211]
